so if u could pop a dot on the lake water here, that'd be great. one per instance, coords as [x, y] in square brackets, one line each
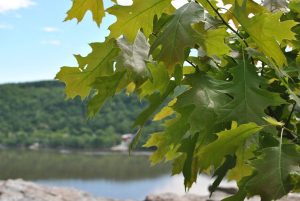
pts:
[104, 175]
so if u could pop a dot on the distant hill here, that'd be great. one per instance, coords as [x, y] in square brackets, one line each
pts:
[38, 112]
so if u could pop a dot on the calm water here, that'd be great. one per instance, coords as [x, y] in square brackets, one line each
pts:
[105, 175]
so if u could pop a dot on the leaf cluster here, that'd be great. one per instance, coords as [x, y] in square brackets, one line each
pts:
[227, 74]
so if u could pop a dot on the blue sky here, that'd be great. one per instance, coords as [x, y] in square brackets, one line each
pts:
[35, 42]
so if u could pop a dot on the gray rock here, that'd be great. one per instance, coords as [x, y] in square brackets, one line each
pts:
[216, 197]
[174, 197]
[19, 190]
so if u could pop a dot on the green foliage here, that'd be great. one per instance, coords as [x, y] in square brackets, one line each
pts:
[220, 67]
[229, 140]
[80, 7]
[38, 112]
[80, 79]
[178, 34]
[139, 15]
[285, 161]
[250, 97]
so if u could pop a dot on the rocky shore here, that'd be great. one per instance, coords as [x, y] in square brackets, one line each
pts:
[20, 190]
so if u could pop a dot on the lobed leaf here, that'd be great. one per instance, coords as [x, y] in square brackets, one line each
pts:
[98, 63]
[266, 30]
[139, 15]
[80, 7]
[250, 98]
[227, 143]
[134, 56]
[285, 160]
[177, 34]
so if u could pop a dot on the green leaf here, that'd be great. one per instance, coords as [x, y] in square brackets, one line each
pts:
[177, 34]
[195, 113]
[157, 140]
[251, 7]
[135, 140]
[165, 112]
[215, 42]
[284, 160]
[221, 172]
[294, 5]
[241, 194]
[159, 80]
[135, 56]
[298, 60]
[227, 143]
[169, 140]
[106, 87]
[189, 169]
[207, 7]
[80, 7]
[250, 99]
[266, 30]
[98, 63]
[155, 100]
[206, 99]
[295, 180]
[242, 168]
[273, 121]
[195, 110]
[130, 19]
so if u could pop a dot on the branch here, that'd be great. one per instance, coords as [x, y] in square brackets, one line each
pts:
[226, 24]
[290, 116]
[192, 64]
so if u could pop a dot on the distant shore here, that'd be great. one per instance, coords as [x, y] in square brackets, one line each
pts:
[83, 151]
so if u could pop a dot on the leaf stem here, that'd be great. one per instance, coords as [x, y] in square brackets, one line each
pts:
[281, 135]
[262, 70]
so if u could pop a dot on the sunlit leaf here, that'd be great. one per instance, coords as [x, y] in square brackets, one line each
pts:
[266, 30]
[139, 15]
[98, 63]
[80, 7]
[228, 142]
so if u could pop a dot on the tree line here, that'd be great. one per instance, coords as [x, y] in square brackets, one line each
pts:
[38, 113]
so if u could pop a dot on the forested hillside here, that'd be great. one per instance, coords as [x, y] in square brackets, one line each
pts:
[38, 112]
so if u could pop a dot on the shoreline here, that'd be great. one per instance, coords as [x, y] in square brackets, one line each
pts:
[89, 152]
[20, 190]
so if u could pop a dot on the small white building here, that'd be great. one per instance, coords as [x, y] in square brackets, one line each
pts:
[125, 143]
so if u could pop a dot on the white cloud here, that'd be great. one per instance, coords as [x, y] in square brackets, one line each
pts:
[125, 2]
[50, 29]
[8, 5]
[179, 3]
[52, 42]
[175, 3]
[6, 26]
